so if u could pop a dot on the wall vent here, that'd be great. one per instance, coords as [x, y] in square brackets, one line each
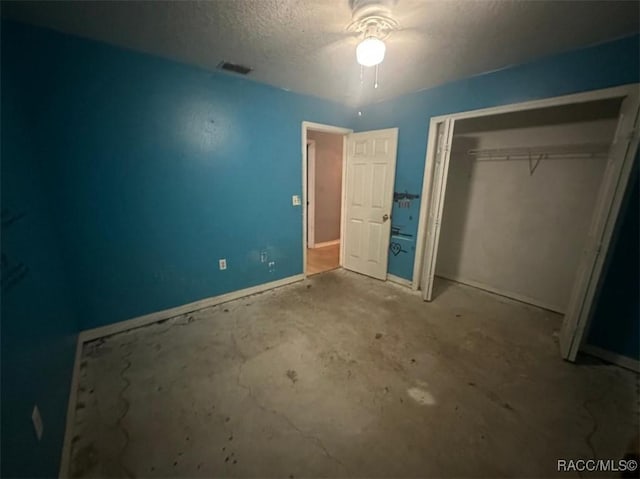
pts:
[232, 67]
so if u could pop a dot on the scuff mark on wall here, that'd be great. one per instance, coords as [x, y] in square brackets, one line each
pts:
[402, 229]
[396, 248]
[403, 200]
[10, 217]
[398, 231]
[13, 272]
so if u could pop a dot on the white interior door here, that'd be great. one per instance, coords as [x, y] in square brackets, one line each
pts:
[435, 205]
[370, 176]
[614, 184]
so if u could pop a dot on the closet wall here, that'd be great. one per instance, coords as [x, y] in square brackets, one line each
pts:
[514, 231]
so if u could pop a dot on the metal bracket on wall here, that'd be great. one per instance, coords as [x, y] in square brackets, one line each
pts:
[533, 166]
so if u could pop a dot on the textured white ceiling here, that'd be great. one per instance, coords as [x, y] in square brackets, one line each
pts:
[302, 45]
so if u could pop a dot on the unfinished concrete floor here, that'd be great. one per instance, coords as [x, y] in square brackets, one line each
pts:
[346, 376]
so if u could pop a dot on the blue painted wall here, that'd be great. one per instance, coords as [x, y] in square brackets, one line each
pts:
[136, 175]
[159, 169]
[616, 322]
[39, 322]
[606, 65]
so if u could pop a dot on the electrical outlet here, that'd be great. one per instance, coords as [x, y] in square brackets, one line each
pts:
[37, 422]
[222, 263]
[295, 200]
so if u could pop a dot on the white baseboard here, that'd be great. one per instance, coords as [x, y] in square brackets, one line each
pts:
[611, 357]
[65, 460]
[95, 333]
[326, 243]
[398, 280]
[509, 294]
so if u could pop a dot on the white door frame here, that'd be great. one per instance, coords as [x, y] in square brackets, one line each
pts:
[311, 193]
[606, 217]
[309, 125]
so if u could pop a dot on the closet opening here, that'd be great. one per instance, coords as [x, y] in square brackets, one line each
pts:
[523, 203]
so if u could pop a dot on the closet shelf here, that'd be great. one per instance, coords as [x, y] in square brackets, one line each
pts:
[585, 150]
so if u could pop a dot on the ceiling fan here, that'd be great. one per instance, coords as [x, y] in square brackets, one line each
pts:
[372, 20]
[374, 24]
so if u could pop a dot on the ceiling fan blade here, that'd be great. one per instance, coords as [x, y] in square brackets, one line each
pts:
[338, 47]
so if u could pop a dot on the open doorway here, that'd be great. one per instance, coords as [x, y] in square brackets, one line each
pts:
[323, 178]
[366, 198]
[324, 200]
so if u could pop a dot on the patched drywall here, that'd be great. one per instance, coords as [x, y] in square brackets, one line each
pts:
[328, 185]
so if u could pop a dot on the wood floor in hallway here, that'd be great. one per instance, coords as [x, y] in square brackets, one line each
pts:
[323, 259]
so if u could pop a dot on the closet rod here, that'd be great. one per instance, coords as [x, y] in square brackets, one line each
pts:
[588, 150]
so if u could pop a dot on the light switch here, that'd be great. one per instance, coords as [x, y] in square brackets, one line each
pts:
[295, 200]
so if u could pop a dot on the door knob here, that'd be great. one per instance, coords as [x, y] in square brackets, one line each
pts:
[385, 217]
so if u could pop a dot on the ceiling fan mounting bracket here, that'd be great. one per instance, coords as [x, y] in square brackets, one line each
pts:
[373, 26]
[372, 18]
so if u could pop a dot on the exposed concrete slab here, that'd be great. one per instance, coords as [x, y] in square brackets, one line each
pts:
[346, 376]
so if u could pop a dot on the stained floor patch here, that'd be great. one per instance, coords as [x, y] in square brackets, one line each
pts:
[425, 398]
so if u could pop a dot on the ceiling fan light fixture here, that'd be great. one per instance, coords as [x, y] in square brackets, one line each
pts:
[370, 52]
